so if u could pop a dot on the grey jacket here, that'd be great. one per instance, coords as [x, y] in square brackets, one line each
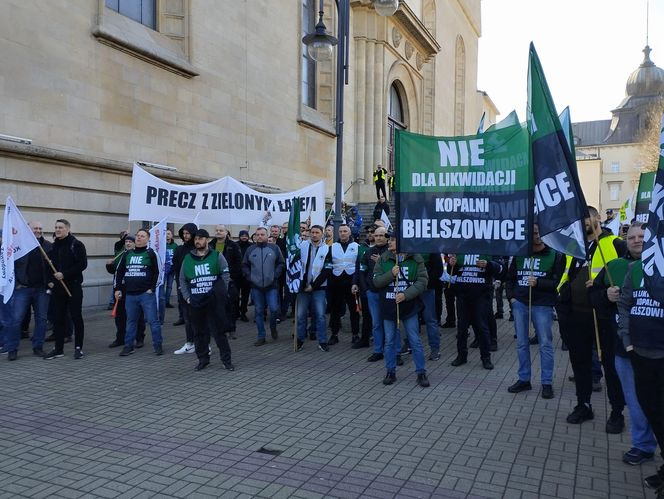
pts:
[262, 265]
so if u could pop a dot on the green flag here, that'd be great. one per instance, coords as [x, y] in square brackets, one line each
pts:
[560, 207]
[293, 261]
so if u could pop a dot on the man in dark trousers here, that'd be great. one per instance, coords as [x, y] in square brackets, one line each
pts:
[604, 298]
[70, 260]
[344, 257]
[379, 177]
[245, 286]
[576, 322]
[204, 278]
[472, 279]
[137, 274]
[186, 233]
[223, 243]
[641, 328]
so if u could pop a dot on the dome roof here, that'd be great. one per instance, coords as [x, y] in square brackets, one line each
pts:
[647, 79]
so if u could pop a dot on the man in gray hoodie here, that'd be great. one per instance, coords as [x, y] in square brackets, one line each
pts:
[262, 266]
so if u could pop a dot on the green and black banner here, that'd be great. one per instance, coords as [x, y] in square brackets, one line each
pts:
[470, 194]
[643, 196]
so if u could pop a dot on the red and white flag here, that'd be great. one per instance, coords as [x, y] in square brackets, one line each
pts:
[17, 241]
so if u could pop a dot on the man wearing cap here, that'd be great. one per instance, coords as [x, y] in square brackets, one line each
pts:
[204, 278]
[401, 278]
[137, 275]
[262, 266]
[245, 286]
[120, 311]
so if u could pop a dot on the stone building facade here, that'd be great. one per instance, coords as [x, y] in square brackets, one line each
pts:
[212, 88]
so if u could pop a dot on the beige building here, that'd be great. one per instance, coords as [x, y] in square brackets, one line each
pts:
[609, 152]
[212, 88]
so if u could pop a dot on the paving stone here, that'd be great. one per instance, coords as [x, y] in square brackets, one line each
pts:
[341, 433]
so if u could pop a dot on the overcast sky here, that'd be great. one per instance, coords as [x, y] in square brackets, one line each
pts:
[588, 49]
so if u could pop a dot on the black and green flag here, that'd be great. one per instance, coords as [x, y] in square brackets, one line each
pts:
[653, 239]
[560, 207]
[466, 194]
[293, 260]
[643, 195]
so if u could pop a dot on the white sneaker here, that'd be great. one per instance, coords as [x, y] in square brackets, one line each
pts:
[186, 348]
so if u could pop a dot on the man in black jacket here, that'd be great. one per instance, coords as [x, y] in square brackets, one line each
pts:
[186, 233]
[472, 280]
[70, 260]
[32, 277]
[531, 284]
[245, 286]
[223, 243]
[204, 277]
[575, 316]
[137, 274]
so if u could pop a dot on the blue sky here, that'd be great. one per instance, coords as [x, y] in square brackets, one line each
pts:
[588, 48]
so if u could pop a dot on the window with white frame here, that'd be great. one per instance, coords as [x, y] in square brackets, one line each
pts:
[614, 191]
[615, 167]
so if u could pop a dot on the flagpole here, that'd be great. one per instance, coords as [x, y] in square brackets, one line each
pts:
[396, 281]
[50, 263]
[530, 298]
[599, 347]
[295, 325]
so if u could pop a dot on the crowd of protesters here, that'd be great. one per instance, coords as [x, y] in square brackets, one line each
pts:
[605, 317]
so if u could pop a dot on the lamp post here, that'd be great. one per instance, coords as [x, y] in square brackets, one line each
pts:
[319, 47]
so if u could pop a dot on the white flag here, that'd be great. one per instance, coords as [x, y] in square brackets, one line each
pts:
[386, 220]
[17, 241]
[158, 244]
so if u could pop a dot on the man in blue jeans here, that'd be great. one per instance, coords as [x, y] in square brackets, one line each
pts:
[139, 271]
[32, 278]
[401, 278]
[262, 265]
[364, 280]
[316, 269]
[604, 298]
[531, 283]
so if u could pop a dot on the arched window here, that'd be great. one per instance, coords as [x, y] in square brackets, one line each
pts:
[308, 79]
[396, 120]
[459, 86]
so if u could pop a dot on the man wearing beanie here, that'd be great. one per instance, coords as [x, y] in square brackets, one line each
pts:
[206, 293]
[401, 278]
[138, 272]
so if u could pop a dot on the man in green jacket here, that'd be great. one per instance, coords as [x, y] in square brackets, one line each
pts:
[401, 278]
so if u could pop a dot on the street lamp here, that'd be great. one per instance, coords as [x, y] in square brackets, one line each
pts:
[319, 47]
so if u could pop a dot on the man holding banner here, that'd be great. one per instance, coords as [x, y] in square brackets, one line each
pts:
[70, 259]
[578, 327]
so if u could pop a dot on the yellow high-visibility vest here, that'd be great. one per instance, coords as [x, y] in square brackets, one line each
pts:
[608, 251]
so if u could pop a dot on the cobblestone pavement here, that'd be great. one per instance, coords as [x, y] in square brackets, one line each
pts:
[147, 426]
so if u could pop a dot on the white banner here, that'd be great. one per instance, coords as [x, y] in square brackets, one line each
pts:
[17, 241]
[158, 244]
[223, 201]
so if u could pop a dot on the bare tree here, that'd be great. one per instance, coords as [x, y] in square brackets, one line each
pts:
[649, 137]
